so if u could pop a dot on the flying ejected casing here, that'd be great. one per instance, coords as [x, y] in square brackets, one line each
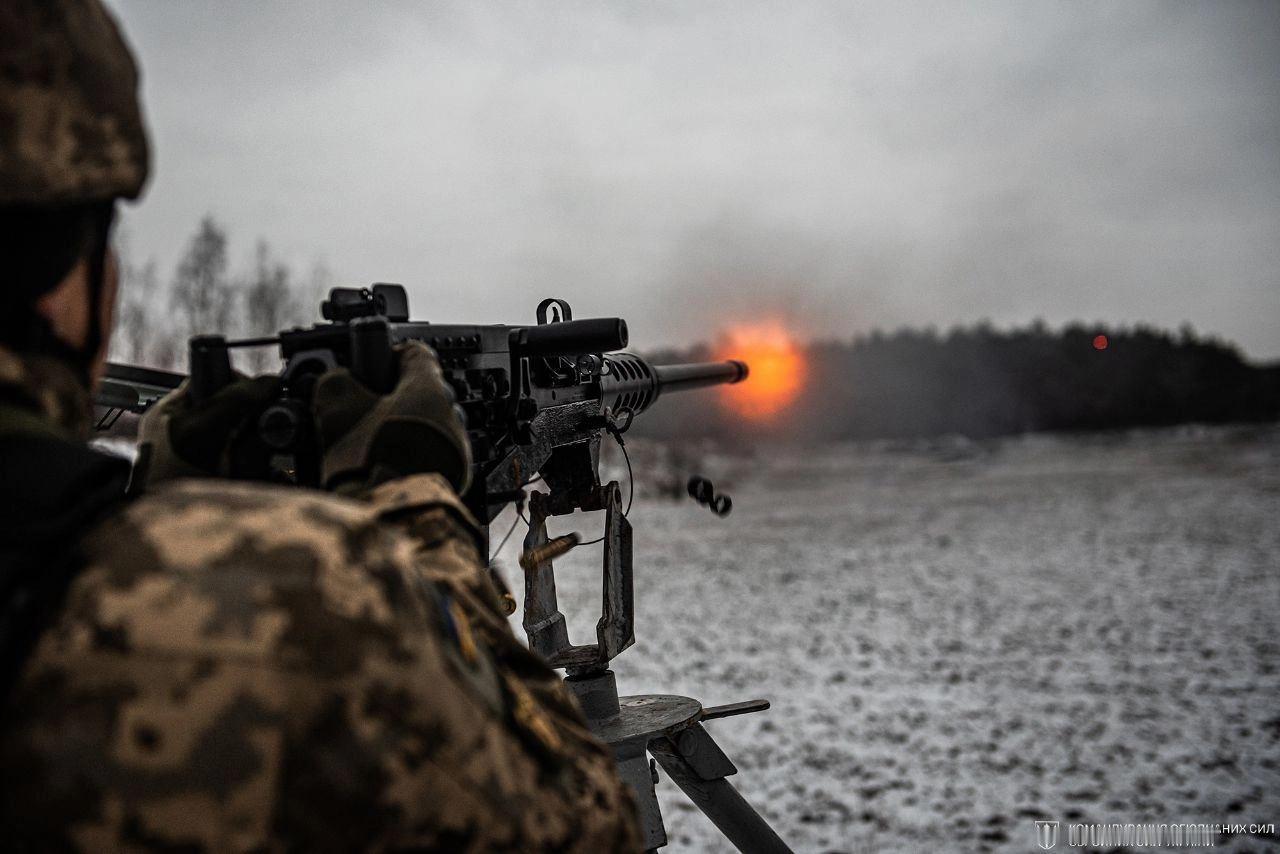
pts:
[548, 551]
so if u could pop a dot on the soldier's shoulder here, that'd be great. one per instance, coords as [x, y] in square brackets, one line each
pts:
[244, 504]
[201, 525]
[252, 568]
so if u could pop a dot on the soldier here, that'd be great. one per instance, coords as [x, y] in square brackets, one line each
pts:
[224, 665]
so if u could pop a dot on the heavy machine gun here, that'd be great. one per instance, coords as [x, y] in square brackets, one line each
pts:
[534, 398]
[537, 401]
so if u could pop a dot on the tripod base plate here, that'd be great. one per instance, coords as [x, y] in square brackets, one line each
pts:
[646, 717]
[667, 727]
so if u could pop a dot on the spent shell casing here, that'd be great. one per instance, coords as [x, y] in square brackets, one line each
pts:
[549, 550]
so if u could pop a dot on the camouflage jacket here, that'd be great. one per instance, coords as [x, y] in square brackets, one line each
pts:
[248, 668]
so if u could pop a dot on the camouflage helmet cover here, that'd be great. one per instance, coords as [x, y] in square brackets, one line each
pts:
[71, 127]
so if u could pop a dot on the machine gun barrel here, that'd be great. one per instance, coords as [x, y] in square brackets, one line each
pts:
[133, 389]
[699, 374]
[632, 383]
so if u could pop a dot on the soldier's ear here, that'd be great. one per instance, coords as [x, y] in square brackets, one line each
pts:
[106, 312]
[66, 307]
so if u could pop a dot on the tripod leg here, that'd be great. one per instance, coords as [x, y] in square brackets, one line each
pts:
[699, 767]
[635, 772]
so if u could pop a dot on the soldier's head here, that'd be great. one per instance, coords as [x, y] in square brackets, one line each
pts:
[72, 142]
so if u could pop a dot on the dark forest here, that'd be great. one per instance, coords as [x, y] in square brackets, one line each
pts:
[982, 382]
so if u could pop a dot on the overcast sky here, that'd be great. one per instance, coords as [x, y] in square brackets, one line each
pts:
[840, 166]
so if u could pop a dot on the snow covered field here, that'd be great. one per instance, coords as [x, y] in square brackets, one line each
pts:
[959, 638]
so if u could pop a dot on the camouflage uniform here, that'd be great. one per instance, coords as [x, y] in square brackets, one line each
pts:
[239, 667]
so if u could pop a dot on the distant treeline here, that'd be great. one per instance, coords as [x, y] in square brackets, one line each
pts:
[980, 382]
[974, 381]
[204, 295]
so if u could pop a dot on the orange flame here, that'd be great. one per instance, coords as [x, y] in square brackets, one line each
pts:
[777, 370]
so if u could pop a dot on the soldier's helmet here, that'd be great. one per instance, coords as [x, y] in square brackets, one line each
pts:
[71, 128]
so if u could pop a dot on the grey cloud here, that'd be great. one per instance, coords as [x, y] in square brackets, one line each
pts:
[844, 165]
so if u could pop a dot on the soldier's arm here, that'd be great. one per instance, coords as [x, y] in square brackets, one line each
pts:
[426, 508]
[446, 537]
[405, 454]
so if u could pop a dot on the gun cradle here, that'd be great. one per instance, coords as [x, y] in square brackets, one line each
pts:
[543, 622]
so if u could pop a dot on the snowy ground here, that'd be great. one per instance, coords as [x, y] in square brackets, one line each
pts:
[959, 639]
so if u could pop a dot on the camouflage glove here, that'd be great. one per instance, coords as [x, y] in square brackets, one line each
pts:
[367, 439]
[217, 437]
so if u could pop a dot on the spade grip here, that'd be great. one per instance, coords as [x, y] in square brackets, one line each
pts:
[373, 361]
[210, 366]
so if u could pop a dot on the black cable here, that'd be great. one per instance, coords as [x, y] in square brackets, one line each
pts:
[520, 517]
[510, 531]
[631, 478]
[631, 483]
